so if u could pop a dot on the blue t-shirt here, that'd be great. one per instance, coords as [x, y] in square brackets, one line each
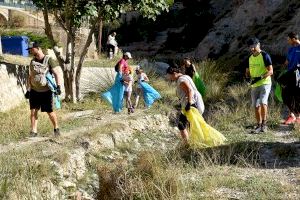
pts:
[293, 57]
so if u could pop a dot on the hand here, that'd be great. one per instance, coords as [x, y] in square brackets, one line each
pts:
[188, 106]
[143, 80]
[255, 79]
[58, 90]
[27, 95]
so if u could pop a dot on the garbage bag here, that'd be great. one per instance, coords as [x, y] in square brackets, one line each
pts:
[149, 93]
[201, 134]
[115, 94]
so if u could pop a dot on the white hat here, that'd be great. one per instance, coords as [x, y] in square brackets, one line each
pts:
[128, 54]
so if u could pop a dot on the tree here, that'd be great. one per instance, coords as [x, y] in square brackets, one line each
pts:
[72, 14]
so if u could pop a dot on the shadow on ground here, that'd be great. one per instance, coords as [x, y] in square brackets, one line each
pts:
[257, 154]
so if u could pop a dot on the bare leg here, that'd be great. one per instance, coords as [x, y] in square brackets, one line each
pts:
[53, 118]
[264, 112]
[258, 115]
[185, 136]
[34, 120]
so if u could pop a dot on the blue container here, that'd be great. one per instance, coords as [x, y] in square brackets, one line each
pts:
[16, 45]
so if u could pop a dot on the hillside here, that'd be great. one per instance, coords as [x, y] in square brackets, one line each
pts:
[214, 28]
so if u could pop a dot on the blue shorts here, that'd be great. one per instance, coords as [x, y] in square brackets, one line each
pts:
[260, 95]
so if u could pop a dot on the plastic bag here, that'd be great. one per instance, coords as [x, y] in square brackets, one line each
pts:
[200, 133]
[149, 93]
[115, 94]
[199, 84]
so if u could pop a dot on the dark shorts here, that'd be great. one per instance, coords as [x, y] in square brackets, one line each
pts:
[183, 122]
[41, 100]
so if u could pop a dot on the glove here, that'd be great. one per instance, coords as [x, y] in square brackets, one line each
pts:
[255, 79]
[27, 95]
[188, 106]
[58, 90]
[122, 81]
[143, 80]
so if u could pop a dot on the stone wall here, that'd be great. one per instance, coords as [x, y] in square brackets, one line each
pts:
[13, 85]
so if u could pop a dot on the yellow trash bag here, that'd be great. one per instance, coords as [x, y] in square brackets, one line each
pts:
[200, 133]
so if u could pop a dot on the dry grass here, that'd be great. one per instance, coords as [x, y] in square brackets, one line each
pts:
[15, 59]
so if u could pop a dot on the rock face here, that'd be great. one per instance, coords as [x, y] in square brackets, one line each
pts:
[239, 23]
[12, 82]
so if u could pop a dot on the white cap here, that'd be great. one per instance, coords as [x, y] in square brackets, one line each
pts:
[128, 54]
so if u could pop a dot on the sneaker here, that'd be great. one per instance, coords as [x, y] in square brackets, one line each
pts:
[290, 120]
[257, 129]
[129, 111]
[32, 134]
[263, 128]
[56, 132]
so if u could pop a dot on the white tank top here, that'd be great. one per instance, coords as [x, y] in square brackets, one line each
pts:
[196, 96]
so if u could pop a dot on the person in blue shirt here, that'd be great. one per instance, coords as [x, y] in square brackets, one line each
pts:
[290, 81]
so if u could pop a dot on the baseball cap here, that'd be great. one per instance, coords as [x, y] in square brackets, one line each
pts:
[252, 41]
[33, 45]
[128, 54]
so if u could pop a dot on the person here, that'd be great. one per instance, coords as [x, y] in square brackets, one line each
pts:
[112, 45]
[188, 96]
[122, 64]
[150, 95]
[141, 77]
[38, 92]
[290, 89]
[115, 94]
[190, 70]
[128, 81]
[259, 69]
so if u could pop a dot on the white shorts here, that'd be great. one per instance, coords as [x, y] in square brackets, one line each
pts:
[260, 95]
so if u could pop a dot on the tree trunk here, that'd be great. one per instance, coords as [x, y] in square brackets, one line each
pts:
[81, 59]
[100, 36]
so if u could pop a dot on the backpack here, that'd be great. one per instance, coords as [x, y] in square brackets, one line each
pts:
[39, 71]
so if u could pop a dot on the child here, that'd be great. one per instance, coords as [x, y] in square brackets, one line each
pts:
[128, 81]
[141, 78]
[149, 93]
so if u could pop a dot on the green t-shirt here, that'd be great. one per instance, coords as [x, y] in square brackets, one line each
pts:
[257, 68]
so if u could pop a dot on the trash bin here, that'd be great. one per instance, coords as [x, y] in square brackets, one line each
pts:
[16, 45]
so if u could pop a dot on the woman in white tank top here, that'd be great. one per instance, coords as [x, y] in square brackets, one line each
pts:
[188, 95]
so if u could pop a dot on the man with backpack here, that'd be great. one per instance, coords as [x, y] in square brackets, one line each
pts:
[38, 92]
[260, 70]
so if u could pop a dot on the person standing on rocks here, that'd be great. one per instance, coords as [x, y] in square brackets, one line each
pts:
[259, 68]
[290, 81]
[39, 95]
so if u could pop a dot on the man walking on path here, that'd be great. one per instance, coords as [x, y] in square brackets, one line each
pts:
[290, 81]
[38, 92]
[259, 69]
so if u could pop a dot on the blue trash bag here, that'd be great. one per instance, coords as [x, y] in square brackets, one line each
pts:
[115, 94]
[149, 93]
[53, 87]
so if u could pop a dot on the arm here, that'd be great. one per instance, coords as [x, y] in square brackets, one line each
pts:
[146, 77]
[269, 72]
[187, 90]
[58, 74]
[247, 73]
